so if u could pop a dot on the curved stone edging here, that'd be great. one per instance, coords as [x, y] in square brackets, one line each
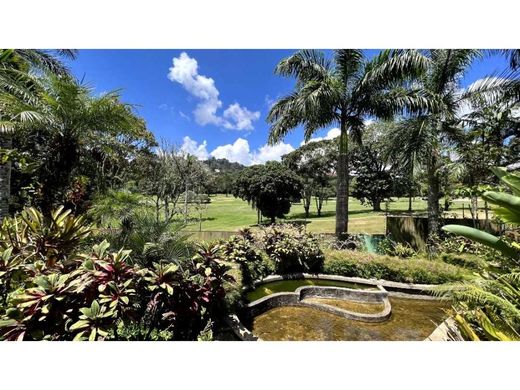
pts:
[347, 294]
[296, 298]
[239, 329]
[418, 288]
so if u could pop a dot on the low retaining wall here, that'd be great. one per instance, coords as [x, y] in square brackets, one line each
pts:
[296, 298]
[341, 293]
[410, 288]
[349, 295]
[269, 302]
[413, 230]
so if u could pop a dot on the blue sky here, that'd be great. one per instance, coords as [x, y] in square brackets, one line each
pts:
[209, 102]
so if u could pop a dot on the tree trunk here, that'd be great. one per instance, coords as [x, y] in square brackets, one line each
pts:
[166, 209]
[343, 182]
[273, 220]
[433, 195]
[411, 192]
[306, 199]
[376, 204]
[6, 142]
[186, 205]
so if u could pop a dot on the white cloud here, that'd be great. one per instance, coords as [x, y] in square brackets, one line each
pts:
[235, 152]
[331, 134]
[239, 151]
[185, 72]
[270, 153]
[242, 117]
[192, 147]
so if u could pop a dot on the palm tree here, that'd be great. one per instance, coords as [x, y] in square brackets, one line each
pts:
[71, 122]
[345, 91]
[18, 99]
[424, 137]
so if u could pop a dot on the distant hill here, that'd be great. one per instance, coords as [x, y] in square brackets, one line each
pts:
[223, 165]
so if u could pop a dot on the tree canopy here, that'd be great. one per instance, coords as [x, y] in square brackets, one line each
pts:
[270, 188]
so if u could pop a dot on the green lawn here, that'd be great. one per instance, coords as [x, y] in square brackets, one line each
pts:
[230, 214]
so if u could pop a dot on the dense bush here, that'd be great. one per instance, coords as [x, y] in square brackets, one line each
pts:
[464, 260]
[51, 291]
[462, 245]
[241, 249]
[364, 265]
[291, 249]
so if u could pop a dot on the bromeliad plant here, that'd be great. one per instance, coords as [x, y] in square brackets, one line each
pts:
[489, 308]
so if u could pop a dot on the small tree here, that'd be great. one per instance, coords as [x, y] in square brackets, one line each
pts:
[373, 182]
[315, 163]
[374, 174]
[270, 188]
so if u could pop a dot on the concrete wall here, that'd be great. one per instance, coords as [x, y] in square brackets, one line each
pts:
[414, 230]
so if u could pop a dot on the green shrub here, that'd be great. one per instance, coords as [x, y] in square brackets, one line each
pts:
[240, 249]
[468, 261]
[291, 249]
[388, 247]
[415, 270]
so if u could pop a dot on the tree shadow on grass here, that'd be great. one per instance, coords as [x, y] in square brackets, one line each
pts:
[326, 214]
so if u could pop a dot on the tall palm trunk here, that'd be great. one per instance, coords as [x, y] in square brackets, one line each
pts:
[410, 193]
[433, 195]
[343, 182]
[6, 142]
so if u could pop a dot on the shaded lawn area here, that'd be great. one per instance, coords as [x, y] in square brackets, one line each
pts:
[226, 213]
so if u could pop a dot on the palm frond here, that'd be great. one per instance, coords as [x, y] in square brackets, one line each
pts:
[45, 61]
[304, 65]
[390, 67]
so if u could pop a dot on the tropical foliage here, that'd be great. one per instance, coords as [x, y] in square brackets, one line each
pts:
[54, 290]
[488, 307]
[424, 139]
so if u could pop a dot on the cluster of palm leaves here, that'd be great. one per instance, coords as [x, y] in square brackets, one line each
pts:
[421, 85]
[489, 307]
[19, 84]
[62, 123]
